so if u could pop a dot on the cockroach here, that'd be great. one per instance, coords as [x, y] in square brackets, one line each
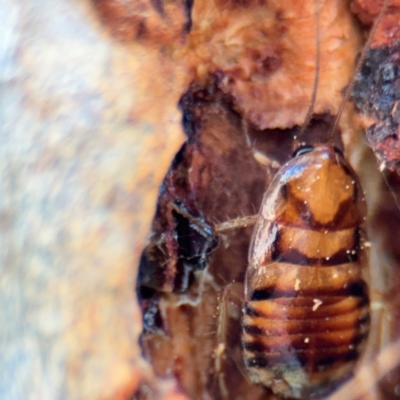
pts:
[306, 307]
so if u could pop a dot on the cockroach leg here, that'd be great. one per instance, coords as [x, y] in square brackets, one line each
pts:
[380, 319]
[241, 222]
[228, 309]
[196, 222]
[236, 223]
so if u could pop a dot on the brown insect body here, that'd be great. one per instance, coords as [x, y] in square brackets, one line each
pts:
[306, 305]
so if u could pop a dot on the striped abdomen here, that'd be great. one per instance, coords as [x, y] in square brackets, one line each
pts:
[306, 311]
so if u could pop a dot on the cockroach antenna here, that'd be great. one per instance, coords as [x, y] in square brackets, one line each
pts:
[358, 67]
[317, 71]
